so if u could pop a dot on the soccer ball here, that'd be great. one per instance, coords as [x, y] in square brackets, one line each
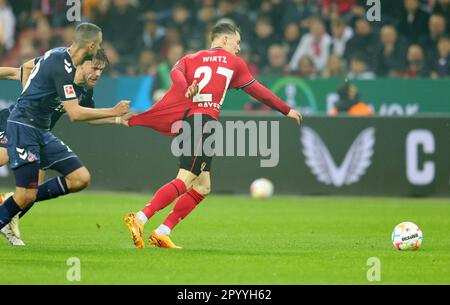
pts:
[261, 188]
[407, 236]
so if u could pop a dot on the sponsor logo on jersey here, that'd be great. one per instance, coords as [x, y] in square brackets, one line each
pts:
[69, 91]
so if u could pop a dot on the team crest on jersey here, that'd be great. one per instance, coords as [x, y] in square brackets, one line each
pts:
[31, 157]
[69, 91]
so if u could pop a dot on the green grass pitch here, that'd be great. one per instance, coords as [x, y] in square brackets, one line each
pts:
[231, 240]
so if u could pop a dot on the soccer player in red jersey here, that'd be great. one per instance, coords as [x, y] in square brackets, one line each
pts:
[200, 82]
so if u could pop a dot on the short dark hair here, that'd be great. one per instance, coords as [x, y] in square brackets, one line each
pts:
[101, 57]
[86, 32]
[224, 28]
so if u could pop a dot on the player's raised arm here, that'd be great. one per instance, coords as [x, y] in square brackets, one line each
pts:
[9, 73]
[79, 113]
[264, 95]
[26, 70]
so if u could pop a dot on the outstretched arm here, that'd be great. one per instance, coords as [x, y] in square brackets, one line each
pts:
[10, 73]
[119, 120]
[264, 95]
[79, 113]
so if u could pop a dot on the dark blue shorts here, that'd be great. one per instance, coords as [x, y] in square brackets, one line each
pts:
[27, 144]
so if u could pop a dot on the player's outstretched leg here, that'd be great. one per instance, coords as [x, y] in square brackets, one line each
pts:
[184, 205]
[162, 198]
[76, 178]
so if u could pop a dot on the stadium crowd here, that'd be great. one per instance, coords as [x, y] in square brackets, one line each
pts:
[307, 38]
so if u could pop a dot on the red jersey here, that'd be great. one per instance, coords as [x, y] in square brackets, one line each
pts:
[215, 70]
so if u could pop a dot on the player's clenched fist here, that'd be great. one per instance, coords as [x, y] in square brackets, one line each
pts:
[122, 107]
[125, 118]
[295, 115]
[192, 90]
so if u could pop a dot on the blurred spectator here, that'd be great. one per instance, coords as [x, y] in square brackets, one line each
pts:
[181, 18]
[122, 27]
[332, 9]
[141, 33]
[315, 45]
[274, 10]
[391, 11]
[152, 34]
[363, 42]
[359, 68]
[43, 36]
[300, 11]
[349, 102]
[391, 56]
[413, 21]
[416, 63]
[341, 34]
[115, 65]
[67, 35]
[436, 28]
[99, 13]
[147, 63]
[172, 37]
[291, 38]
[440, 64]
[228, 9]
[277, 65]
[246, 55]
[7, 26]
[442, 7]
[27, 51]
[335, 67]
[306, 68]
[162, 78]
[264, 37]
[206, 17]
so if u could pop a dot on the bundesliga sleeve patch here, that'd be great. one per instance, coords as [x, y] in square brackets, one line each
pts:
[69, 92]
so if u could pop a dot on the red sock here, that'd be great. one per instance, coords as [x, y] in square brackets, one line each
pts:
[183, 207]
[164, 196]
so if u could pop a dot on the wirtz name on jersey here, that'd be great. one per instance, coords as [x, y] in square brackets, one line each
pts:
[215, 59]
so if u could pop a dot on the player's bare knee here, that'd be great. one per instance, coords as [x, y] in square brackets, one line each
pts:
[78, 180]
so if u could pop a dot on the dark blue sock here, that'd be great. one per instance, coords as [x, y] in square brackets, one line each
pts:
[51, 189]
[7, 211]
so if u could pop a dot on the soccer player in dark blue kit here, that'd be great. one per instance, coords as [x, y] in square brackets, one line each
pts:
[31, 145]
[86, 77]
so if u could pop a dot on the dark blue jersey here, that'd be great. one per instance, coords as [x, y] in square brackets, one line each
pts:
[51, 82]
[84, 95]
